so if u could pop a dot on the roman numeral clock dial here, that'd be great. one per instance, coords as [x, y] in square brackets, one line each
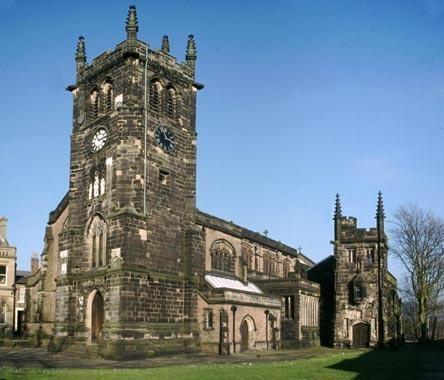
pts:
[99, 139]
[164, 138]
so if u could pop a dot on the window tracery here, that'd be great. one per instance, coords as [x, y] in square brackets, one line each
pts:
[97, 242]
[222, 256]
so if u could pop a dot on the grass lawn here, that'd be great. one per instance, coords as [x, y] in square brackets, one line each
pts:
[352, 364]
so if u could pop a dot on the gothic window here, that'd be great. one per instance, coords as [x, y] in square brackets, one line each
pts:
[352, 255]
[357, 290]
[208, 319]
[171, 102]
[97, 242]
[108, 95]
[155, 95]
[94, 100]
[269, 264]
[370, 255]
[2, 275]
[247, 256]
[288, 307]
[97, 181]
[286, 268]
[222, 256]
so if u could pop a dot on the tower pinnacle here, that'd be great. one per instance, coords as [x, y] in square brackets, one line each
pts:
[132, 26]
[380, 215]
[165, 45]
[190, 56]
[338, 209]
[337, 218]
[80, 55]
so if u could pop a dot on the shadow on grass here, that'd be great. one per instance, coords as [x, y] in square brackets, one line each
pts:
[380, 364]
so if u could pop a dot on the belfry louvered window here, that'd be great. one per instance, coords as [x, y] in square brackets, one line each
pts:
[95, 103]
[155, 96]
[108, 95]
[171, 102]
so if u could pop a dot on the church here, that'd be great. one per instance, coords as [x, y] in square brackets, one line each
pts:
[130, 266]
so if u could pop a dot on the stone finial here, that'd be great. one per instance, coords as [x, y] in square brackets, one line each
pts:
[338, 209]
[380, 215]
[80, 54]
[190, 56]
[380, 208]
[165, 45]
[337, 218]
[131, 23]
[3, 223]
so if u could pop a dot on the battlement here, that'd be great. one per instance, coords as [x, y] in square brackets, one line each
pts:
[132, 47]
[138, 49]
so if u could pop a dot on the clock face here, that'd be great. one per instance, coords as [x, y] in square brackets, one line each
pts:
[99, 139]
[164, 138]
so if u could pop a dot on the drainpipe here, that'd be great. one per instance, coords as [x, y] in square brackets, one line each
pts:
[233, 309]
[266, 326]
[13, 308]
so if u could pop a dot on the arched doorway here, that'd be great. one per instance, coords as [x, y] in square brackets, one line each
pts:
[361, 335]
[247, 333]
[95, 314]
[245, 336]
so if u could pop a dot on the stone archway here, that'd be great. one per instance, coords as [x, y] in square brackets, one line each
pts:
[247, 333]
[95, 315]
[361, 335]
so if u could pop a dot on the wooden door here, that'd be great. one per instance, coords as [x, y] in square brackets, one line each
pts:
[97, 314]
[361, 335]
[245, 336]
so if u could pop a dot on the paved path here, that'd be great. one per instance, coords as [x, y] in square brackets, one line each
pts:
[39, 357]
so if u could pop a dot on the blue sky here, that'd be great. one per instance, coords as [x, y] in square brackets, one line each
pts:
[302, 99]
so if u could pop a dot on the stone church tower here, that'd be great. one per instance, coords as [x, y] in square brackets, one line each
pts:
[126, 269]
[360, 278]
[359, 302]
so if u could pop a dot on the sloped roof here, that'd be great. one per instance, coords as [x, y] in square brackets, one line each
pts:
[219, 282]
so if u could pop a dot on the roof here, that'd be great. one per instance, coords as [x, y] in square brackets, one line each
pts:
[219, 282]
[241, 232]
[21, 276]
[54, 215]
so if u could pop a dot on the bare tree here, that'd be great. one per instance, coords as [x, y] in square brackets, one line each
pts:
[418, 242]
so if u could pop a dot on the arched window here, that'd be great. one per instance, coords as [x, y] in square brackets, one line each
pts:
[247, 256]
[94, 100]
[357, 290]
[155, 95]
[269, 264]
[222, 256]
[97, 182]
[286, 268]
[97, 242]
[108, 95]
[171, 102]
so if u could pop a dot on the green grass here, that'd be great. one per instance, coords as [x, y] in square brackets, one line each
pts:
[380, 365]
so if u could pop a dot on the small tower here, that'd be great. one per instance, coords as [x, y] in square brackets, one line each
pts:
[132, 26]
[165, 45]
[80, 56]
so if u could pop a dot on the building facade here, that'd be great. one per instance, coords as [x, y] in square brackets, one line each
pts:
[130, 265]
[12, 287]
